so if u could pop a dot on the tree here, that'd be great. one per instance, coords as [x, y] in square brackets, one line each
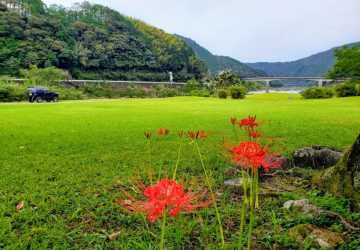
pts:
[347, 64]
[91, 42]
[225, 79]
[49, 74]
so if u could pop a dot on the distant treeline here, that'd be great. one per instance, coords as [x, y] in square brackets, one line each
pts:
[90, 42]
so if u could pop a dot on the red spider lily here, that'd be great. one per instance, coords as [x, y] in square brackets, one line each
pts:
[202, 134]
[255, 134]
[147, 135]
[248, 122]
[233, 120]
[163, 131]
[166, 195]
[254, 155]
[197, 135]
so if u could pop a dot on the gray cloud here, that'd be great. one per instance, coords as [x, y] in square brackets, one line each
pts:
[251, 31]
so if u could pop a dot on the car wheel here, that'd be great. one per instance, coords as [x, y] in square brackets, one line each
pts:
[55, 99]
[31, 99]
[39, 99]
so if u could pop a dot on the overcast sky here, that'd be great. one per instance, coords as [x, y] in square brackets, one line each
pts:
[250, 30]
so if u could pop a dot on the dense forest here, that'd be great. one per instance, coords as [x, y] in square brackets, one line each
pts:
[220, 63]
[90, 41]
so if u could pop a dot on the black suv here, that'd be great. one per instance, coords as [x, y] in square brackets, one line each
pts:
[40, 93]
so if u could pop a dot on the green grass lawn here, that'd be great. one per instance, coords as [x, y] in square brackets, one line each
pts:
[62, 158]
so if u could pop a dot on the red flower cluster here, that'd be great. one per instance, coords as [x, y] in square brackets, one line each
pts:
[255, 134]
[165, 195]
[254, 155]
[249, 122]
[197, 134]
[163, 131]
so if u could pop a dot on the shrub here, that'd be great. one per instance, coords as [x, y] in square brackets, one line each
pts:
[199, 92]
[69, 93]
[357, 87]
[222, 93]
[237, 92]
[163, 91]
[12, 92]
[252, 86]
[317, 93]
[38, 75]
[347, 88]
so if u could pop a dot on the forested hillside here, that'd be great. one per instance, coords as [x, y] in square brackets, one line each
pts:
[91, 42]
[314, 65]
[219, 63]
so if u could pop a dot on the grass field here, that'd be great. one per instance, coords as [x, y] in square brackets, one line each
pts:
[62, 158]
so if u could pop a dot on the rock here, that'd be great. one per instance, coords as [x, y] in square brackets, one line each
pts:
[343, 179]
[304, 207]
[325, 238]
[237, 182]
[316, 156]
[287, 163]
[232, 171]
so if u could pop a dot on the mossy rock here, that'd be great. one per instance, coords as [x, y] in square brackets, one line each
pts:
[322, 237]
[343, 179]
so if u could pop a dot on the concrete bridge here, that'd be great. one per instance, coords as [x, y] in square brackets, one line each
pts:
[267, 80]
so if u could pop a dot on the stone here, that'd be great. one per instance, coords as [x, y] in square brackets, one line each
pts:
[343, 179]
[287, 163]
[316, 156]
[232, 171]
[325, 238]
[302, 206]
[237, 182]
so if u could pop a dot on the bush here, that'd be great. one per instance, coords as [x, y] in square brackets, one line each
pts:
[347, 88]
[38, 75]
[237, 92]
[12, 92]
[199, 92]
[222, 93]
[317, 93]
[69, 93]
[252, 86]
[164, 91]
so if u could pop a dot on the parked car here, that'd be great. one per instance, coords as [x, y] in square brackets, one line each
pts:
[41, 93]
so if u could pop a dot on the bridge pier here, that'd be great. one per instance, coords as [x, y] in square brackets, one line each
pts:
[267, 84]
[320, 83]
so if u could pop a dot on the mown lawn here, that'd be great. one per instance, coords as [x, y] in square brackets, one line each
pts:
[62, 160]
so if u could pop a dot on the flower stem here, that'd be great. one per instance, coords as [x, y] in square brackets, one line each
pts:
[256, 182]
[245, 179]
[242, 221]
[178, 159]
[163, 231]
[252, 201]
[212, 196]
[236, 136]
[149, 164]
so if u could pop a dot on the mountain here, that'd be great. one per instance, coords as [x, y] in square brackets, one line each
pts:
[314, 65]
[218, 63]
[91, 42]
